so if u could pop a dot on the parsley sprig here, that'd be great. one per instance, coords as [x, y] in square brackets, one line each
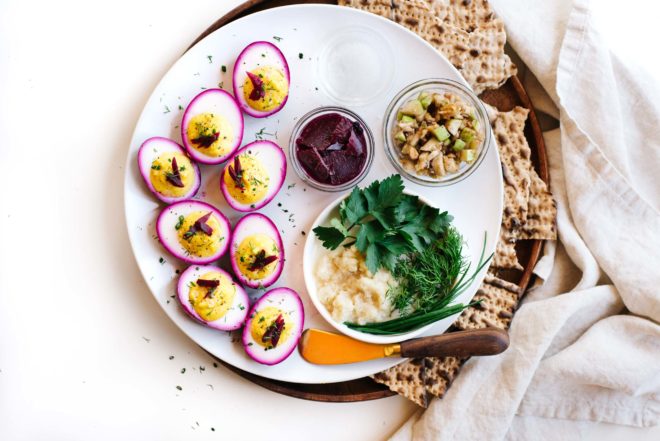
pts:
[384, 223]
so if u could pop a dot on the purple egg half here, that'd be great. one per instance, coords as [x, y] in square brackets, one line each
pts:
[274, 161]
[288, 301]
[213, 101]
[168, 234]
[235, 316]
[149, 151]
[256, 223]
[257, 54]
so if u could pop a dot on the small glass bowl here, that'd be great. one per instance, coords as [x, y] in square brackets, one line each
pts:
[300, 170]
[435, 85]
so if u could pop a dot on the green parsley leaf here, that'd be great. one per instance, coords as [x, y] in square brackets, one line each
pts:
[353, 208]
[330, 236]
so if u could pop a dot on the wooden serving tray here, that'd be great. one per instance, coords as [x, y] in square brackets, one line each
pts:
[511, 94]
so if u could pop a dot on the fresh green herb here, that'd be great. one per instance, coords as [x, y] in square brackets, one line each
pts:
[156, 167]
[277, 38]
[300, 55]
[428, 276]
[210, 57]
[384, 224]
[161, 260]
[180, 107]
[290, 186]
[179, 224]
[224, 68]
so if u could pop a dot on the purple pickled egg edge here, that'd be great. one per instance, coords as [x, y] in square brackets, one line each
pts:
[295, 336]
[281, 257]
[223, 188]
[143, 172]
[200, 261]
[182, 297]
[239, 97]
[204, 159]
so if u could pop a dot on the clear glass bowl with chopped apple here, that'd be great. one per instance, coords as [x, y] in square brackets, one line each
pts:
[436, 132]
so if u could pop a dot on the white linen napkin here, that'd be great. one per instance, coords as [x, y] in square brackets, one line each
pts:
[586, 344]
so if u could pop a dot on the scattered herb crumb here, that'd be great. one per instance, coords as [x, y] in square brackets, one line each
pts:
[202, 368]
[146, 339]
[212, 429]
[183, 370]
[303, 232]
[179, 387]
[300, 55]
[275, 37]
[291, 186]
[161, 260]
[224, 68]
[171, 357]
[180, 107]
[167, 110]
[210, 57]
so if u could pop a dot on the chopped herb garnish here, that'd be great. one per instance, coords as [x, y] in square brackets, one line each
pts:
[224, 68]
[179, 388]
[210, 57]
[161, 260]
[167, 110]
[300, 55]
[277, 38]
[183, 370]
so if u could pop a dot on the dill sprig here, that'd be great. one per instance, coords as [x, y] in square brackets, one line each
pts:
[429, 276]
[437, 310]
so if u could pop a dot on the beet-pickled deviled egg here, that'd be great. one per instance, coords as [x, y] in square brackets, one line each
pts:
[261, 79]
[212, 126]
[253, 176]
[167, 170]
[256, 251]
[274, 326]
[193, 231]
[209, 295]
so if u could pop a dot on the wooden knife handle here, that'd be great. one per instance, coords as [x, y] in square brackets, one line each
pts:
[486, 341]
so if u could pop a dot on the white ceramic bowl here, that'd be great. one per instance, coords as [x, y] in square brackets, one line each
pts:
[312, 253]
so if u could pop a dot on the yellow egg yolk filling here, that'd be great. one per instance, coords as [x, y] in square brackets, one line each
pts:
[212, 303]
[198, 243]
[253, 248]
[266, 317]
[275, 84]
[210, 134]
[162, 166]
[253, 180]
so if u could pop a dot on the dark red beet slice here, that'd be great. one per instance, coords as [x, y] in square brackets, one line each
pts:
[206, 140]
[261, 260]
[314, 164]
[236, 173]
[199, 225]
[274, 332]
[205, 283]
[174, 178]
[258, 90]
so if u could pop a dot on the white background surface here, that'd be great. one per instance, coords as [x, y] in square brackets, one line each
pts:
[84, 348]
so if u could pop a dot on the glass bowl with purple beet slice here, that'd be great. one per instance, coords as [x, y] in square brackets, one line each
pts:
[331, 148]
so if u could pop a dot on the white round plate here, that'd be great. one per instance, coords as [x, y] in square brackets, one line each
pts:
[303, 33]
